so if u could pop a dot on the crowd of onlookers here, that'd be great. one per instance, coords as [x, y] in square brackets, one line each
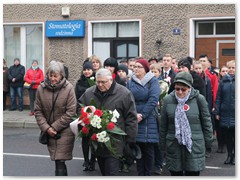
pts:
[179, 105]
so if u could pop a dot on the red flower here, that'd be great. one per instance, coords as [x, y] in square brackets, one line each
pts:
[110, 125]
[85, 130]
[186, 107]
[98, 112]
[86, 121]
[84, 114]
[94, 137]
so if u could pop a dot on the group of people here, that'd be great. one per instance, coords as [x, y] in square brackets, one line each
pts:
[171, 109]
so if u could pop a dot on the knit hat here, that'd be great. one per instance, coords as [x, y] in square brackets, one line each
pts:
[144, 63]
[184, 62]
[112, 62]
[123, 67]
[184, 78]
[87, 65]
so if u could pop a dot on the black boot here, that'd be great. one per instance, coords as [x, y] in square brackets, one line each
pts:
[86, 166]
[91, 166]
[228, 160]
[61, 172]
[233, 159]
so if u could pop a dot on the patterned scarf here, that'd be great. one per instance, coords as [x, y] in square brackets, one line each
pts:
[182, 128]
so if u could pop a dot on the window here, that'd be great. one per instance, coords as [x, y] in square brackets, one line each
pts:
[215, 28]
[24, 42]
[228, 52]
[205, 29]
[116, 39]
[225, 28]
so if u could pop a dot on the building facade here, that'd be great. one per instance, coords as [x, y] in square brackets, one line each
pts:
[49, 31]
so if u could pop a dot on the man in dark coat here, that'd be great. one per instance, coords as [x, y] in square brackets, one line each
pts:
[110, 95]
[15, 76]
[198, 82]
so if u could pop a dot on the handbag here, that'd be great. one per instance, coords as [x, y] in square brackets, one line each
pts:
[43, 138]
[27, 85]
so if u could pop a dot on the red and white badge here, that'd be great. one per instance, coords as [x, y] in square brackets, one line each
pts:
[186, 107]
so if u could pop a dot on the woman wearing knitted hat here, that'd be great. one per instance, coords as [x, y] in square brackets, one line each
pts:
[81, 86]
[112, 65]
[145, 88]
[185, 128]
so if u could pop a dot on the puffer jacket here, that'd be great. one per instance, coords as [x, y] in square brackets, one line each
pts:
[64, 110]
[178, 157]
[120, 98]
[34, 75]
[146, 94]
[225, 102]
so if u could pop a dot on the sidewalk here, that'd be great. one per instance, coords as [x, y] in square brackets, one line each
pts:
[18, 119]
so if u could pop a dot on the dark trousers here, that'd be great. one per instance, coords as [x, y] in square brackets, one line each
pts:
[158, 156]
[109, 165]
[32, 97]
[230, 139]
[186, 173]
[86, 148]
[4, 100]
[220, 134]
[145, 164]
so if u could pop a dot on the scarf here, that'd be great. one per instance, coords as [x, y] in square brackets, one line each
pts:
[182, 128]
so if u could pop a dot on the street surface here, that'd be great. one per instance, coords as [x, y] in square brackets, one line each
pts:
[23, 155]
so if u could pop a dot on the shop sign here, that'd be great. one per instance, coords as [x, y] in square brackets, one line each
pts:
[72, 28]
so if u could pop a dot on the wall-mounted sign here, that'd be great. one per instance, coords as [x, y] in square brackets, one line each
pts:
[72, 28]
[176, 31]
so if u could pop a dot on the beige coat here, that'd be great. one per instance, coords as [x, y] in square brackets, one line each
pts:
[64, 110]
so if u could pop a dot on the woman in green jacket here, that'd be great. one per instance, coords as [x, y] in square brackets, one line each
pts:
[185, 128]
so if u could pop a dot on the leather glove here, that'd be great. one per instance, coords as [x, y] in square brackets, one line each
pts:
[33, 82]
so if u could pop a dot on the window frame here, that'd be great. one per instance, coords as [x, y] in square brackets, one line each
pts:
[22, 26]
[91, 39]
[214, 29]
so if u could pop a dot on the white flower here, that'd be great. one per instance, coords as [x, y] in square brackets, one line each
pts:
[106, 139]
[101, 139]
[93, 122]
[116, 114]
[99, 126]
[92, 78]
[114, 119]
[164, 86]
[103, 133]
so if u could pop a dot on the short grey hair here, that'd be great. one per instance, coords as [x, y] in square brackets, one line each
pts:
[55, 67]
[104, 72]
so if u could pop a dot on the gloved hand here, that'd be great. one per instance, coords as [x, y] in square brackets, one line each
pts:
[33, 82]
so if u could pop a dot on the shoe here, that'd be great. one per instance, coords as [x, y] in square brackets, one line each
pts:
[12, 109]
[91, 166]
[86, 166]
[31, 113]
[207, 155]
[20, 110]
[125, 168]
[158, 171]
[228, 160]
[61, 172]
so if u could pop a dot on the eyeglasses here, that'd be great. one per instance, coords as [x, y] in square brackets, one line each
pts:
[182, 89]
[137, 67]
[102, 82]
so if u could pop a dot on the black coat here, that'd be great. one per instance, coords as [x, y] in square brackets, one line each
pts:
[17, 72]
